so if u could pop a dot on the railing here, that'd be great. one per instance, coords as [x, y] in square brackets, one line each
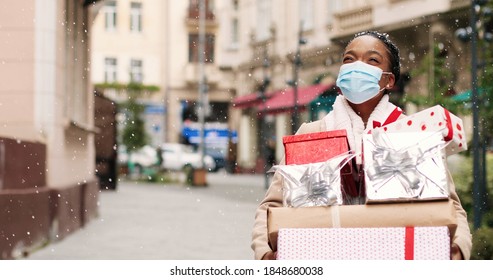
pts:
[211, 72]
[193, 14]
[350, 21]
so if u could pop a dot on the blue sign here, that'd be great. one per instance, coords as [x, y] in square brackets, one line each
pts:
[212, 135]
[154, 109]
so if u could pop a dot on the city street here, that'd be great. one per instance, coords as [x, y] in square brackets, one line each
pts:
[149, 221]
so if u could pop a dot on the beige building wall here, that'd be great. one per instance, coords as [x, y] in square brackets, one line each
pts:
[163, 46]
[17, 70]
[125, 45]
[45, 93]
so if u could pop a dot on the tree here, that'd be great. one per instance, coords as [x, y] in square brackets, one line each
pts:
[134, 135]
[440, 82]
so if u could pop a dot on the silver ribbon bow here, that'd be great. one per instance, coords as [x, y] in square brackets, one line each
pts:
[313, 184]
[389, 163]
[317, 187]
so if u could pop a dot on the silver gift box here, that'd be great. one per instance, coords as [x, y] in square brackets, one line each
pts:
[313, 184]
[404, 166]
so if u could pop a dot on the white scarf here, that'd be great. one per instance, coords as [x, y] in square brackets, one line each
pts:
[343, 117]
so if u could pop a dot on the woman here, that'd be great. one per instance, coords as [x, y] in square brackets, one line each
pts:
[371, 66]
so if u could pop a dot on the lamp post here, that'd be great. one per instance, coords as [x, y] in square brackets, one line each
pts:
[296, 68]
[203, 101]
[479, 172]
[263, 124]
[475, 118]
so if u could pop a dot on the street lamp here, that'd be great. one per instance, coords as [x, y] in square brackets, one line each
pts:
[294, 83]
[202, 87]
[263, 124]
[471, 34]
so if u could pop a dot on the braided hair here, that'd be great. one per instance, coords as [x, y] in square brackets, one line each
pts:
[395, 59]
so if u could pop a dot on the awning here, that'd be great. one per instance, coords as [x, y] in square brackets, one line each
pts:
[247, 100]
[466, 96]
[283, 100]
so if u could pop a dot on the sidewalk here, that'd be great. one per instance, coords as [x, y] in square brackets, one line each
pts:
[142, 221]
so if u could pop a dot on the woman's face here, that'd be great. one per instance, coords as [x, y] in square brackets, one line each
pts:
[370, 50]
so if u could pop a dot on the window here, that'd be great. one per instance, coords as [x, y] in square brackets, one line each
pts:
[193, 48]
[110, 15]
[136, 17]
[218, 111]
[264, 8]
[234, 36]
[110, 70]
[234, 32]
[194, 7]
[306, 14]
[136, 75]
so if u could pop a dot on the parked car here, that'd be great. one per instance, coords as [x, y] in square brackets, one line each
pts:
[179, 156]
[144, 157]
[122, 155]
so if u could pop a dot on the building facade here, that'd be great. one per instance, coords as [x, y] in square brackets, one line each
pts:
[157, 43]
[48, 187]
[257, 49]
[273, 31]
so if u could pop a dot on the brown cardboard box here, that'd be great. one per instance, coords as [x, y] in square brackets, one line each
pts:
[420, 214]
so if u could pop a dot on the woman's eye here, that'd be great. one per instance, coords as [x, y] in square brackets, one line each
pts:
[373, 60]
[347, 59]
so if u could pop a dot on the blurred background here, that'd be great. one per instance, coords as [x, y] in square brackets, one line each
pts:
[94, 94]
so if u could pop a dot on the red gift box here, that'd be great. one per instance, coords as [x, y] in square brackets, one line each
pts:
[388, 243]
[315, 147]
[318, 147]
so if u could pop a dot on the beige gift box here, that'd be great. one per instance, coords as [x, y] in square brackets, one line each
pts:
[417, 214]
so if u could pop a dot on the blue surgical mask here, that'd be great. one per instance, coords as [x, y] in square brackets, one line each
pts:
[358, 81]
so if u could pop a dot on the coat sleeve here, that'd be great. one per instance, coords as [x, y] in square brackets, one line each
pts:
[273, 198]
[463, 237]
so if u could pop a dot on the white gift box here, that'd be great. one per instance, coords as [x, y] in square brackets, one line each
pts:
[385, 243]
[433, 119]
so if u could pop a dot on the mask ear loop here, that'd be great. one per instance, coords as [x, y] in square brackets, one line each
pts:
[388, 85]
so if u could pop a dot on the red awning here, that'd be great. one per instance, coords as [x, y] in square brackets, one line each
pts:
[247, 100]
[283, 100]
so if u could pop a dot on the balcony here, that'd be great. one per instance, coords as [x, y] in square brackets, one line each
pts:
[194, 13]
[350, 21]
[193, 16]
[457, 4]
[211, 25]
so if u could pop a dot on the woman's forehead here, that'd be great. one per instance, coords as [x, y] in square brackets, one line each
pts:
[366, 43]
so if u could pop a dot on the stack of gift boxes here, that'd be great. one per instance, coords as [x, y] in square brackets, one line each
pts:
[407, 212]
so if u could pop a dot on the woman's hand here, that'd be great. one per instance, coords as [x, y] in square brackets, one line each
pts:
[455, 253]
[270, 256]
